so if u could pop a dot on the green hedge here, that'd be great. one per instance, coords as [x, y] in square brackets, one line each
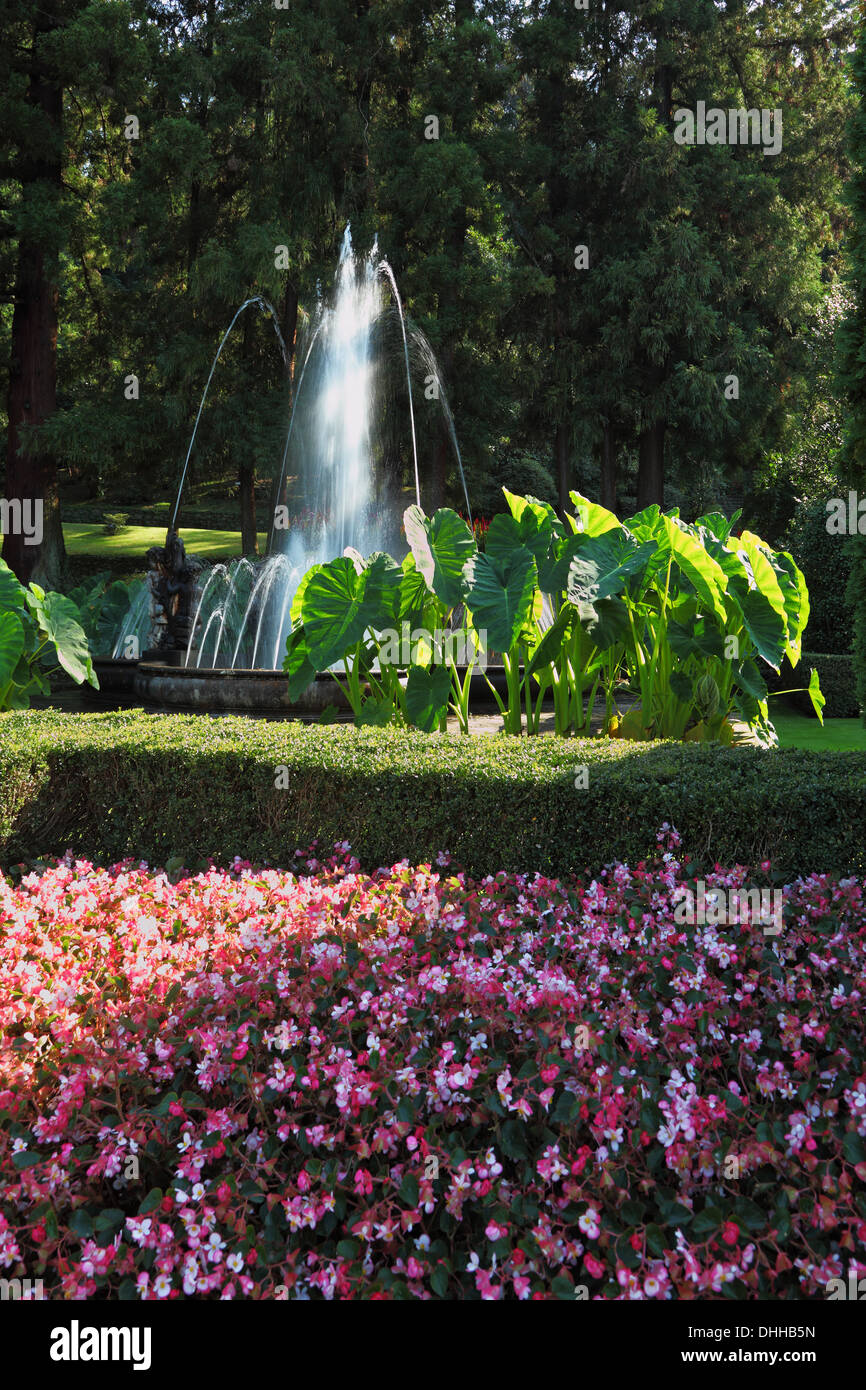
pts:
[836, 674]
[161, 787]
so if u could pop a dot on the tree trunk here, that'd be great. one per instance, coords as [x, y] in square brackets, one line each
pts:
[609, 465]
[31, 479]
[249, 532]
[562, 463]
[651, 466]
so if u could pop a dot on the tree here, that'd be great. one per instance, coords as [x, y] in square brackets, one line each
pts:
[33, 116]
[852, 373]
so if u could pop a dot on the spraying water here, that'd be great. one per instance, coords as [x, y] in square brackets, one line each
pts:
[345, 449]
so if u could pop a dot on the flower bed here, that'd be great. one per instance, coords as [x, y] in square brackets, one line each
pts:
[412, 1085]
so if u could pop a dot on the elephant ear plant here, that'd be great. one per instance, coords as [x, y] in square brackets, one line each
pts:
[39, 633]
[574, 606]
[708, 607]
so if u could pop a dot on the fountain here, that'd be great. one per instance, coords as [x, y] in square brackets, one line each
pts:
[219, 631]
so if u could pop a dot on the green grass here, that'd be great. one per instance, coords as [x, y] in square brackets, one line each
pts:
[803, 731]
[84, 539]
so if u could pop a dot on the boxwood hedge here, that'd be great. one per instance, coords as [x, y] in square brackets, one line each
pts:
[169, 787]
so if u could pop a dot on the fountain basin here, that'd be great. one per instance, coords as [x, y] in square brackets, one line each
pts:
[115, 674]
[232, 688]
[257, 690]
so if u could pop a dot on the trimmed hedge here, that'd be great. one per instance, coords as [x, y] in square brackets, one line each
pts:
[165, 787]
[836, 674]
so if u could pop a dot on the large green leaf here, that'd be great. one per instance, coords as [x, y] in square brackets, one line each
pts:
[792, 582]
[748, 678]
[59, 618]
[553, 568]
[543, 512]
[501, 596]
[415, 598]
[605, 622]
[301, 670]
[297, 608]
[11, 592]
[603, 565]
[442, 545]
[703, 572]
[764, 625]
[334, 612]
[764, 574]
[717, 524]
[383, 589]
[110, 613]
[647, 524]
[594, 519]
[507, 533]
[427, 691]
[11, 648]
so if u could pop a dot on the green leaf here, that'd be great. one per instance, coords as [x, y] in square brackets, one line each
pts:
[26, 1159]
[603, 565]
[409, 1190]
[81, 1223]
[816, 695]
[675, 1214]
[707, 1221]
[707, 577]
[593, 518]
[853, 1147]
[109, 1221]
[442, 546]
[298, 601]
[11, 645]
[439, 1281]
[427, 692]
[550, 646]
[605, 621]
[513, 1139]
[59, 619]
[682, 686]
[655, 1240]
[297, 663]
[335, 615]
[762, 623]
[501, 596]
[506, 533]
[12, 593]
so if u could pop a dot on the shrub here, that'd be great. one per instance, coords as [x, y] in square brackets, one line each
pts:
[521, 472]
[857, 599]
[179, 786]
[836, 675]
[826, 562]
[414, 1085]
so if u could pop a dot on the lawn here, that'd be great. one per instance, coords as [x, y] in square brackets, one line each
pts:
[84, 539]
[803, 731]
